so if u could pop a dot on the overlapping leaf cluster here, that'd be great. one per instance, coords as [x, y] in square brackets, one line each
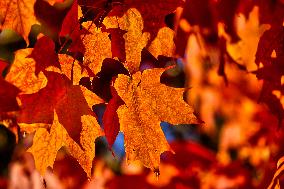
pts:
[87, 53]
[78, 54]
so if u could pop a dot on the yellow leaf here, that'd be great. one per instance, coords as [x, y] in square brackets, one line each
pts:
[22, 73]
[135, 38]
[67, 64]
[18, 16]
[46, 144]
[147, 103]
[163, 44]
[98, 47]
[91, 98]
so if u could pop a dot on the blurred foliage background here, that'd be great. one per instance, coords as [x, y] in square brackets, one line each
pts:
[238, 145]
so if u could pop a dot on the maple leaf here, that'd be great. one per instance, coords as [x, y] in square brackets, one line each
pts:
[147, 103]
[47, 143]
[55, 90]
[66, 99]
[128, 39]
[18, 16]
[22, 73]
[153, 14]
[72, 68]
[135, 38]
[98, 47]
[163, 44]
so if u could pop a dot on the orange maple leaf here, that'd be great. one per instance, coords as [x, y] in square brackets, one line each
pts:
[136, 39]
[147, 103]
[46, 144]
[98, 47]
[52, 131]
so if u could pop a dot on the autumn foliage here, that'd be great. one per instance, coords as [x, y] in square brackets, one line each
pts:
[141, 94]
